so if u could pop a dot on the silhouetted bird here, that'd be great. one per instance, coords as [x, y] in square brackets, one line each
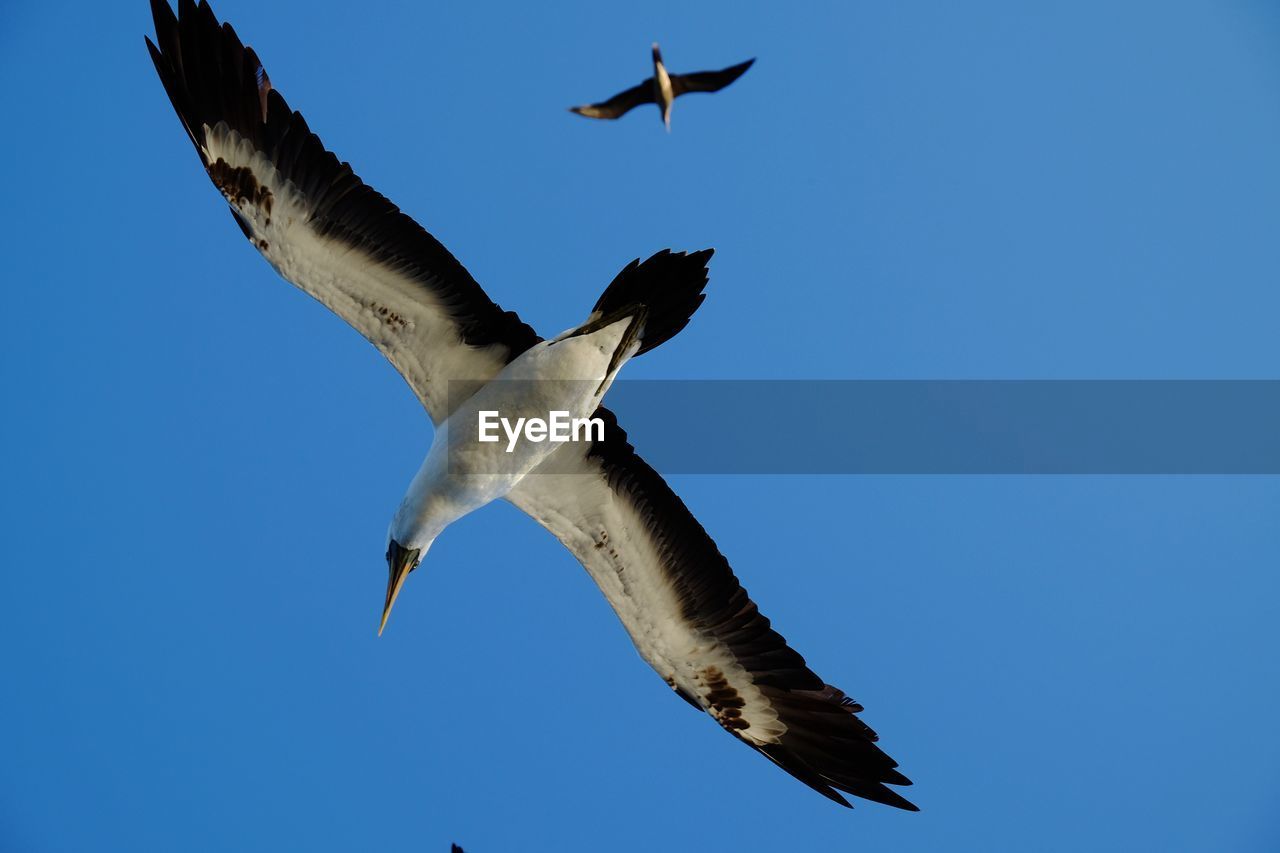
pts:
[662, 89]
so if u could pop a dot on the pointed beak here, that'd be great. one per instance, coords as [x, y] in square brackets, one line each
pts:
[400, 561]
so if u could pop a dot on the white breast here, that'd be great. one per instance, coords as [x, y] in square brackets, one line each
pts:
[461, 473]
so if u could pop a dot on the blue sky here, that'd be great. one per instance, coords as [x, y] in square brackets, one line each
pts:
[200, 463]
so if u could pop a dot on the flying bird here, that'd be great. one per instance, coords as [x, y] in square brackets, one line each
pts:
[340, 241]
[662, 89]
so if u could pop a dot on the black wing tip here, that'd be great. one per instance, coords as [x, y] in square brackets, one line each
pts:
[885, 797]
[701, 256]
[831, 784]
[899, 802]
[875, 791]
[161, 10]
[740, 69]
[893, 777]
[833, 796]
[872, 791]
[828, 747]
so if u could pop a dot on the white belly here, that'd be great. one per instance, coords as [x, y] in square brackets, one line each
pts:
[462, 473]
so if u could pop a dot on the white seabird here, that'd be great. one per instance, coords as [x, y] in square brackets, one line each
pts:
[342, 242]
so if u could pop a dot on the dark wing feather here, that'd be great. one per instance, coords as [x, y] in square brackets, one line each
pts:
[619, 104]
[318, 224]
[708, 81]
[694, 623]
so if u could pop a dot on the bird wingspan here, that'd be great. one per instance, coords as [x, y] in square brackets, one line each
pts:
[319, 225]
[708, 81]
[619, 104]
[690, 618]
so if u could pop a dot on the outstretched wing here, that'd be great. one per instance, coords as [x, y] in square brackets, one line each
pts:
[693, 622]
[619, 104]
[319, 225]
[708, 81]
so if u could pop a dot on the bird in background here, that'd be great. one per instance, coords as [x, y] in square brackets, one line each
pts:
[339, 240]
[662, 89]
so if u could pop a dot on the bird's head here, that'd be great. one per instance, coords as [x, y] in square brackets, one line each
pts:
[657, 54]
[402, 558]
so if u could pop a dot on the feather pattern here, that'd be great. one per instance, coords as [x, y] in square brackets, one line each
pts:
[694, 623]
[319, 225]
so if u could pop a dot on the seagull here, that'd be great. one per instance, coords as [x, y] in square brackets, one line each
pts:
[340, 241]
[662, 89]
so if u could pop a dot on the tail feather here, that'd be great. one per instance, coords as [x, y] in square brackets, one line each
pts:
[668, 285]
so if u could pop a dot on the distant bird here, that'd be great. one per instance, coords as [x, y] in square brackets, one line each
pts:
[662, 89]
[340, 241]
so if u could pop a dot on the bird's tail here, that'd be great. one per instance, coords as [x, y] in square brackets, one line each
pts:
[665, 290]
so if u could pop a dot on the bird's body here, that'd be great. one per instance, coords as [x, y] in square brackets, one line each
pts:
[662, 89]
[460, 474]
[664, 94]
[345, 244]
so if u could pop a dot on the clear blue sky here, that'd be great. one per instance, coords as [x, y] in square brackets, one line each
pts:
[200, 463]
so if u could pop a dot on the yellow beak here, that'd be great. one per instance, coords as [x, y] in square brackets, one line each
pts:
[400, 562]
